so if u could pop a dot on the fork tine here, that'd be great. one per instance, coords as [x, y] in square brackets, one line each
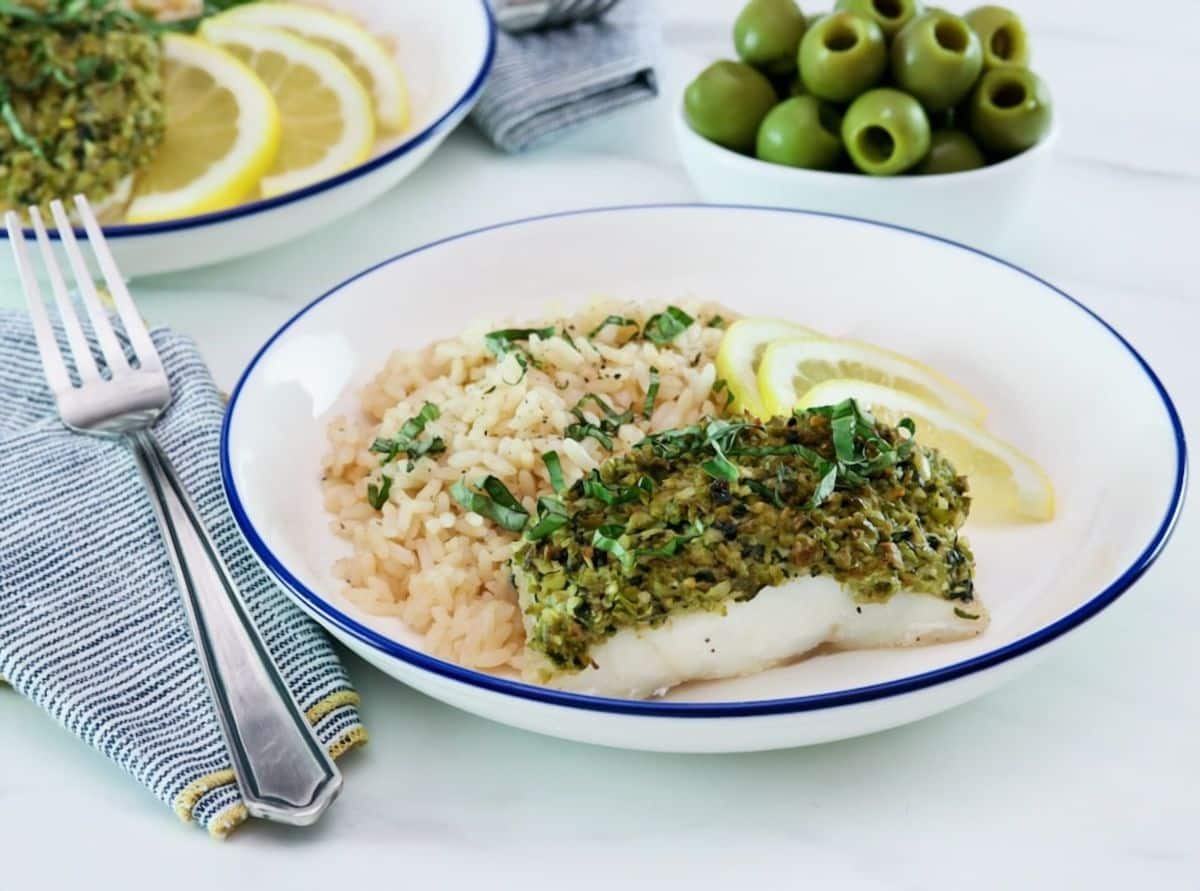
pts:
[143, 346]
[52, 360]
[110, 347]
[81, 352]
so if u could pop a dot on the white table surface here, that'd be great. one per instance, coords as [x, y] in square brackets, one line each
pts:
[1083, 773]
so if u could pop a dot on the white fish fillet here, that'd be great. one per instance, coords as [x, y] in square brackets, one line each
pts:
[779, 625]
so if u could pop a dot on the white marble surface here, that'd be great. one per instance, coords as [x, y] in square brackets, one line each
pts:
[1082, 773]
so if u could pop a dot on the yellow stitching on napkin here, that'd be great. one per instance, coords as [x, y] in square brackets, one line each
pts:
[236, 814]
[231, 817]
[329, 703]
[228, 820]
[197, 789]
[351, 740]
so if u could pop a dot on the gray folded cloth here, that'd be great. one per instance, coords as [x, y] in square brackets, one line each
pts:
[544, 82]
[92, 627]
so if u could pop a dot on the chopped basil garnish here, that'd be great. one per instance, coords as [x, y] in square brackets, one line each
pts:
[717, 321]
[651, 394]
[609, 424]
[552, 515]
[554, 468]
[721, 384]
[618, 321]
[843, 428]
[720, 436]
[595, 487]
[676, 542]
[612, 417]
[504, 341]
[378, 495]
[661, 328]
[405, 442]
[498, 504]
[774, 496]
[582, 430]
[607, 538]
[963, 614]
[721, 468]
[825, 485]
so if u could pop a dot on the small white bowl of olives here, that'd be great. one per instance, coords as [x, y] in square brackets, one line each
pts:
[885, 109]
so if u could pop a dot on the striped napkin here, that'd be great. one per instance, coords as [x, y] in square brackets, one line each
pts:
[92, 628]
[544, 82]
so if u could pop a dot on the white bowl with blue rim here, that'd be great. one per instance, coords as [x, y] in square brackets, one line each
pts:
[1120, 482]
[445, 50]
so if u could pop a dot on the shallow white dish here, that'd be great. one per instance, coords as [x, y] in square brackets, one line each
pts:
[977, 206]
[445, 50]
[1001, 331]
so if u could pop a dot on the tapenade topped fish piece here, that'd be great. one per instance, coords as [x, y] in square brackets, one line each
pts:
[681, 559]
[81, 99]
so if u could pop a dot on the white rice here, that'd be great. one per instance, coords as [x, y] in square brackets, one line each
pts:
[424, 558]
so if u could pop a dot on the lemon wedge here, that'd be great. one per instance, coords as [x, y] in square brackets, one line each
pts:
[739, 354]
[791, 367]
[1005, 483]
[222, 134]
[363, 53]
[328, 124]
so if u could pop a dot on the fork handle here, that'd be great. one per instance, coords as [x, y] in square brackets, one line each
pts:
[283, 771]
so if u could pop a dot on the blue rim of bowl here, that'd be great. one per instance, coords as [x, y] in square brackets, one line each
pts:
[450, 116]
[317, 604]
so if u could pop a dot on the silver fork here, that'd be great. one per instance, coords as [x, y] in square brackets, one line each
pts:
[526, 15]
[283, 771]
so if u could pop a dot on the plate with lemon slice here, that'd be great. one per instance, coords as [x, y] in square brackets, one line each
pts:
[282, 116]
[1060, 434]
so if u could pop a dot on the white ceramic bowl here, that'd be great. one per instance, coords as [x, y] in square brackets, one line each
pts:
[445, 49]
[1001, 331]
[976, 207]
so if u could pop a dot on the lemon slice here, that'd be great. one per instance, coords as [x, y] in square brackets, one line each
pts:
[738, 357]
[328, 124]
[364, 54]
[222, 134]
[1005, 484]
[791, 367]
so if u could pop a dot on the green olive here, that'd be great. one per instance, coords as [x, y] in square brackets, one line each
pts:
[885, 132]
[889, 15]
[801, 132]
[767, 35]
[726, 103]
[842, 55]
[1002, 35]
[951, 151]
[1009, 111]
[936, 57]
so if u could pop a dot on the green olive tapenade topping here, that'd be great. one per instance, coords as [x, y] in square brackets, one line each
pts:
[80, 99]
[695, 518]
